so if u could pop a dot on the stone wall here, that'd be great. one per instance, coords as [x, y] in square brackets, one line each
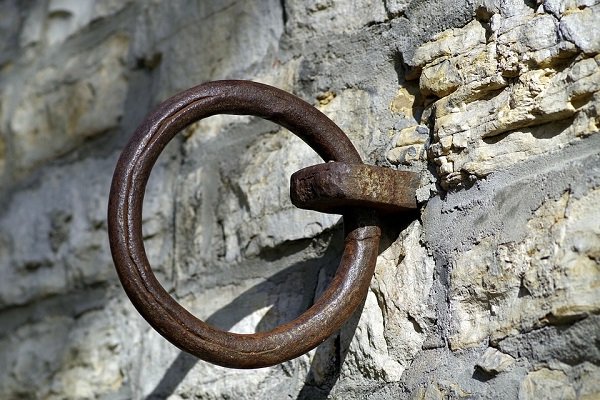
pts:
[491, 290]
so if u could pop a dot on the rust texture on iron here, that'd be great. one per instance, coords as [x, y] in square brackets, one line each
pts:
[334, 187]
[362, 229]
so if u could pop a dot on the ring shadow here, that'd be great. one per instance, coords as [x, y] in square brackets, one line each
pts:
[329, 357]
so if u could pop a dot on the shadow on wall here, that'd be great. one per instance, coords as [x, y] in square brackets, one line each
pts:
[329, 356]
[228, 316]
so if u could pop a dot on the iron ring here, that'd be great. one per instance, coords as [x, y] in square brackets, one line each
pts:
[344, 294]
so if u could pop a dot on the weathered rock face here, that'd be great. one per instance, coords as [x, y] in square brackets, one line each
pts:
[492, 290]
[512, 84]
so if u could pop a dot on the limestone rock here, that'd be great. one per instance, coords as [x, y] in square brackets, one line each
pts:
[450, 43]
[502, 85]
[573, 344]
[581, 28]
[558, 7]
[187, 57]
[406, 155]
[66, 247]
[402, 283]
[404, 102]
[587, 386]
[494, 361]
[317, 17]
[546, 384]
[50, 111]
[537, 294]
[369, 354]
[396, 6]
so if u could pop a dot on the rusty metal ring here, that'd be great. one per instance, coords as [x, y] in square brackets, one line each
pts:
[343, 295]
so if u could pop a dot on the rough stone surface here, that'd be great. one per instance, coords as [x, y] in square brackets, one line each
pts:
[490, 291]
[507, 87]
[494, 361]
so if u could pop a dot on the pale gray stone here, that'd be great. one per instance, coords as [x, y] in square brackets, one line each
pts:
[546, 384]
[396, 7]
[581, 28]
[558, 7]
[494, 361]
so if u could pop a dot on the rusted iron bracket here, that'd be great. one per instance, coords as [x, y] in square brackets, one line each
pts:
[335, 187]
[346, 185]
